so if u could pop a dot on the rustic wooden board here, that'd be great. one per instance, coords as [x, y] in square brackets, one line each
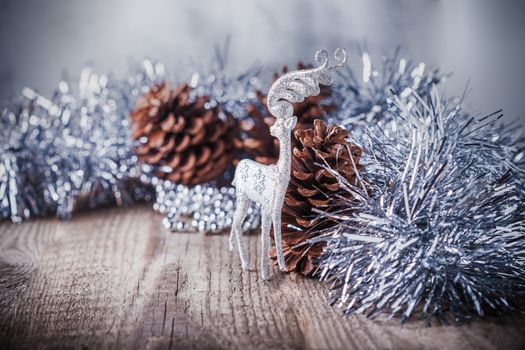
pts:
[115, 278]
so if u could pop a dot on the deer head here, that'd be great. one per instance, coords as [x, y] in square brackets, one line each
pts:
[283, 127]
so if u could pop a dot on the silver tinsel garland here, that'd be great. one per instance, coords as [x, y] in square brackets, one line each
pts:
[436, 222]
[73, 150]
[364, 102]
[17, 197]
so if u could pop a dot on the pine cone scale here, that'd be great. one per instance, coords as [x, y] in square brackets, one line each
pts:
[179, 126]
[303, 176]
[168, 145]
[319, 202]
[188, 163]
[196, 125]
[183, 143]
[204, 156]
[198, 138]
[152, 158]
[168, 123]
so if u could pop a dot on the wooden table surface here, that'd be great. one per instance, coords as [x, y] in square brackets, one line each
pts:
[115, 278]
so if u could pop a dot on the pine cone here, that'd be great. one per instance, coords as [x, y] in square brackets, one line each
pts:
[182, 138]
[311, 187]
[263, 147]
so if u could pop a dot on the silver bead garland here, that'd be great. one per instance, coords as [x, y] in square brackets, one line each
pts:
[204, 208]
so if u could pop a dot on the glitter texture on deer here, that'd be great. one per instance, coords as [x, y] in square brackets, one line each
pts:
[267, 184]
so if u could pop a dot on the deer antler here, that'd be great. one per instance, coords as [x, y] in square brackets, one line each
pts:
[295, 86]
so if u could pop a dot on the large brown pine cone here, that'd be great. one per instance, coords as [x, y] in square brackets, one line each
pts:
[184, 139]
[263, 147]
[313, 187]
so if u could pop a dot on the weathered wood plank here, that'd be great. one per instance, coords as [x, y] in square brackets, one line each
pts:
[115, 278]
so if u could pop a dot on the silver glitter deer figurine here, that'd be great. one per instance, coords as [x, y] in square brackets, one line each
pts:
[267, 184]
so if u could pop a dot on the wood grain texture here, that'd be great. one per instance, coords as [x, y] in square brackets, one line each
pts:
[114, 278]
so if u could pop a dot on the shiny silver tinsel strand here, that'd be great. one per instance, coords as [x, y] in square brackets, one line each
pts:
[437, 220]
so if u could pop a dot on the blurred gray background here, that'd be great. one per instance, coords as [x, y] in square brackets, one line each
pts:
[476, 39]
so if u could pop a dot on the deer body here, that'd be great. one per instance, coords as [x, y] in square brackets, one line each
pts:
[267, 184]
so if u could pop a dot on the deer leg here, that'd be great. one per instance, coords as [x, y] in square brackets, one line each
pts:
[232, 240]
[241, 209]
[265, 244]
[232, 236]
[278, 241]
